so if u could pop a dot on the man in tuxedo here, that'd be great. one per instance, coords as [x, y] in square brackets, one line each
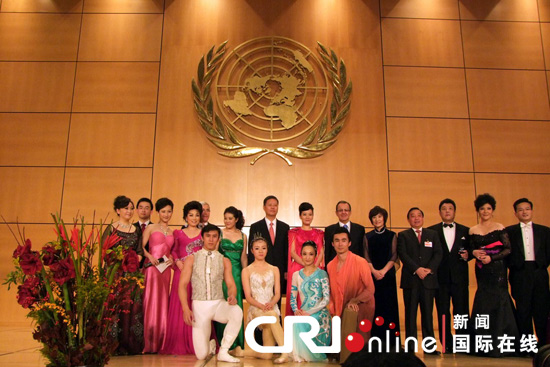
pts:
[275, 232]
[420, 252]
[144, 208]
[528, 263]
[452, 273]
[356, 231]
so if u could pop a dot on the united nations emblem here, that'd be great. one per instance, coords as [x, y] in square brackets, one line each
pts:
[272, 95]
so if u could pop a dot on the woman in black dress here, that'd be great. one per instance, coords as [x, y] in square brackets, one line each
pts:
[490, 245]
[380, 246]
[129, 328]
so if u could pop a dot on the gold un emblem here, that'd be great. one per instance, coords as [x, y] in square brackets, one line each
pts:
[272, 95]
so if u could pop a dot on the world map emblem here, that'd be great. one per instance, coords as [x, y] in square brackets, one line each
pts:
[272, 95]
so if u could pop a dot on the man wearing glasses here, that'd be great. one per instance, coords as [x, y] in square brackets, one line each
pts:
[356, 232]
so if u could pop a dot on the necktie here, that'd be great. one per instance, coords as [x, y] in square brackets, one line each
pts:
[272, 233]
[418, 234]
[448, 225]
[346, 227]
[143, 225]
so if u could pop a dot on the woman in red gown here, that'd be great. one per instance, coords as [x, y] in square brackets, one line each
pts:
[296, 238]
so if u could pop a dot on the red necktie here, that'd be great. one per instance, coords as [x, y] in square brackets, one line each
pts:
[418, 234]
[143, 225]
[272, 233]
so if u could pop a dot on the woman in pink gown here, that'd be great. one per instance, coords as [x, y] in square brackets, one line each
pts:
[179, 337]
[157, 284]
[296, 238]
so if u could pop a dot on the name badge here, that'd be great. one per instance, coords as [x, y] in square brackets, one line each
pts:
[428, 244]
[207, 270]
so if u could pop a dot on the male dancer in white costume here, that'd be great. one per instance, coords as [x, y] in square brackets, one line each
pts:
[207, 269]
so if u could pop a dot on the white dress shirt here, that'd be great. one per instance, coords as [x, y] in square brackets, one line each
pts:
[528, 243]
[449, 234]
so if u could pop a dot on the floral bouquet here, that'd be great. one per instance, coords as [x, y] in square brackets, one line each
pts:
[75, 287]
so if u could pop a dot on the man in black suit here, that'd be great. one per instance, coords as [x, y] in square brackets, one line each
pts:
[356, 232]
[452, 273]
[528, 263]
[144, 208]
[275, 233]
[420, 251]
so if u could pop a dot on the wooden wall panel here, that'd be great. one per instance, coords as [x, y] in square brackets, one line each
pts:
[123, 6]
[508, 94]
[36, 86]
[429, 145]
[41, 6]
[421, 42]
[506, 45]
[507, 188]
[30, 194]
[94, 189]
[511, 146]
[544, 10]
[38, 37]
[545, 30]
[33, 139]
[120, 37]
[513, 10]
[444, 9]
[111, 140]
[116, 87]
[425, 92]
[425, 190]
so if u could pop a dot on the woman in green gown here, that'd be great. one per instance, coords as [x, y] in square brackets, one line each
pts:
[233, 247]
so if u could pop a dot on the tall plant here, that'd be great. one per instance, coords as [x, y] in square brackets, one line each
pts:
[75, 287]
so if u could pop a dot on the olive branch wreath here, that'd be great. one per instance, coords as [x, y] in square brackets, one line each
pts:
[316, 142]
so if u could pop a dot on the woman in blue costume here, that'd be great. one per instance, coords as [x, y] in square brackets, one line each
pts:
[232, 246]
[312, 284]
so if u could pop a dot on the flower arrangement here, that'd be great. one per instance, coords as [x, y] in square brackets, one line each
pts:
[75, 287]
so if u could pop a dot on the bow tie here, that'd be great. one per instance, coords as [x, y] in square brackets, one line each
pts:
[445, 225]
[525, 225]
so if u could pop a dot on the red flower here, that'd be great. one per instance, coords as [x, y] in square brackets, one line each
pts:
[63, 271]
[130, 263]
[27, 294]
[49, 254]
[30, 262]
[20, 250]
[110, 241]
[75, 238]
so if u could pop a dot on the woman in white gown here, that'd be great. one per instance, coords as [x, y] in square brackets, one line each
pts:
[261, 285]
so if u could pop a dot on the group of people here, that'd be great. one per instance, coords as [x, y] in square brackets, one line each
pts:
[342, 271]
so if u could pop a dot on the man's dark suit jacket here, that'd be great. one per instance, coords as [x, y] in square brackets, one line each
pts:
[277, 254]
[138, 230]
[452, 269]
[414, 255]
[541, 241]
[357, 234]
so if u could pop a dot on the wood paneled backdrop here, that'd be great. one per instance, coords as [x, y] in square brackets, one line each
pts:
[450, 99]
